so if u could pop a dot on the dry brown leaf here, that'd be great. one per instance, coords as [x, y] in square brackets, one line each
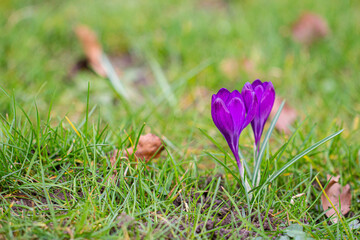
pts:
[92, 48]
[335, 192]
[113, 158]
[287, 116]
[309, 28]
[149, 146]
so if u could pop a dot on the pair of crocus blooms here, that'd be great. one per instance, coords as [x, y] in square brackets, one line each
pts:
[232, 112]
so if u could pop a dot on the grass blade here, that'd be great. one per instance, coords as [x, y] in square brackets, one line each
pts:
[218, 146]
[226, 167]
[246, 166]
[300, 155]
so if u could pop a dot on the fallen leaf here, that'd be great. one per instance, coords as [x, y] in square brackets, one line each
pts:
[92, 48]
[309, 28]
[113, 158]
[335, 192]
[149, 146]
[287, 116]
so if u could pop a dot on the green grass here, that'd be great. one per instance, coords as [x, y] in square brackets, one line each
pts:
[182, 45]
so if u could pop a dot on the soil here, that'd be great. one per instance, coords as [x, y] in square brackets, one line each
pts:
[22, 201]
[224, 214]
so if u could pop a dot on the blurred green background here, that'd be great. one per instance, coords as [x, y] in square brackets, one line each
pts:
[172, 56]
[200, 46]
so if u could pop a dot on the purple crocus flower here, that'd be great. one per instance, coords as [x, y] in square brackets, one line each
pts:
[230, 116]
[265, 94]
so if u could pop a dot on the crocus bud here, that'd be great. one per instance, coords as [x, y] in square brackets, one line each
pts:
[265, 94]
[231, 116]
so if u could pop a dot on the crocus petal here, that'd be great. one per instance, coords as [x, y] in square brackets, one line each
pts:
[253, 106]
[233, 94]
[256, 83]
[259, 90]
[267, 102]
[257, 129]
[237, 110]
[223, 94]
[266, 85]
[266, 95]
[222, 118]
[247, 93]
[232, 112]
[251, 103]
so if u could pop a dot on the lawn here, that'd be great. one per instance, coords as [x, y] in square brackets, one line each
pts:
[68, 135]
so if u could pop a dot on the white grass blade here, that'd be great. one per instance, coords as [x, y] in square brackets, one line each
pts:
[246, 166]
[113, 77]
[163, 82]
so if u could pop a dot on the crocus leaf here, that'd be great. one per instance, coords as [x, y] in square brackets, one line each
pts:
[247, 169]
[262, 149]
[243, 182]
[217, 145]
[300, 155]
[224, 165]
